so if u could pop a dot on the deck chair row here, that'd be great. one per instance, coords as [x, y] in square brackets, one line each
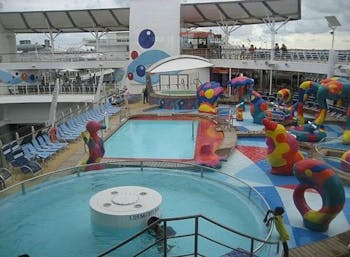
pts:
[72, 128]
[42, 148]
[16, 159]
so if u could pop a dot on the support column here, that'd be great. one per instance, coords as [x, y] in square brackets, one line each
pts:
[53, 107]
[52, 37]
[271, 24]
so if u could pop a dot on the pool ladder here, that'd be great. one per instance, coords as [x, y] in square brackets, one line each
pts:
[257, 245]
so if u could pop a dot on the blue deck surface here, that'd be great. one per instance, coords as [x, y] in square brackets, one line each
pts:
[249, 164]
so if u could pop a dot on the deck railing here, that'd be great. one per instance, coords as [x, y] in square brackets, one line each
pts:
[296, 55]
[257, 245]
[302, 55]
[195, 237]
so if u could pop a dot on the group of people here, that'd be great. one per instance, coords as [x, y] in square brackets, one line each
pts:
[283, 49]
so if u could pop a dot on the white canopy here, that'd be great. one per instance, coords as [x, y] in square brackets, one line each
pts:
[178, 63]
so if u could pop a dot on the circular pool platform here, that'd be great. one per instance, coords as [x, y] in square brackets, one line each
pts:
[125, 206]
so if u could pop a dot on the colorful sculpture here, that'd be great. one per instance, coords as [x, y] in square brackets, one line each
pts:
[308, 133]
[284, 109]
[259, 108]
[334, 89]
[282, 148]
[345, 161]
[241, 86]
[314, 174]
[208, 142]
[207, 95]
[284, 96]
[93, 141]
[239, 111]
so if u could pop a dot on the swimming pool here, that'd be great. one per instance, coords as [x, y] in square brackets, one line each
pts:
[155, 139]
[53, 218]
[181, 137]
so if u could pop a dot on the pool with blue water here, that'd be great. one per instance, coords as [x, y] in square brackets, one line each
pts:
[153, 139]
[53, 218]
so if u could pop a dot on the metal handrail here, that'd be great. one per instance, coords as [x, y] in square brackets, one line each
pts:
[23, 186]
[196, 234]
[343, 56]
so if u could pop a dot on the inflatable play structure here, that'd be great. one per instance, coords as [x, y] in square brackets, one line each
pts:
[242, 86]
[309, 132]
[284, 97]
[207, 95]
[207, 143]
[259, 108]
[283, 111]
[239, 111]
[314, 174]
[282, 148]
[334, 89]
[93, 141]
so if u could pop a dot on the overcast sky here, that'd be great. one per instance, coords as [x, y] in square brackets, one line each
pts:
[311, 32]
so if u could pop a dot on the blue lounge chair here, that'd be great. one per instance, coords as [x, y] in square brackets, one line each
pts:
[68, 131]
[43, 143]
[14, 155]
[62, 136]
[48, 141]
[42, 148]
[4, 175]
[31, 152]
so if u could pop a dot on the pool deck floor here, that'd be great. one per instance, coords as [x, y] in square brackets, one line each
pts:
[248, 162]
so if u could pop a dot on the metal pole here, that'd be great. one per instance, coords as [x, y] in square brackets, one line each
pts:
[270, 87]
[196, 238]
[333, 32]
[272, 53]
[193, 130]
[165, 242]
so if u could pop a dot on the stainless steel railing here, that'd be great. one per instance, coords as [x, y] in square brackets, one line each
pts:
[241, 187]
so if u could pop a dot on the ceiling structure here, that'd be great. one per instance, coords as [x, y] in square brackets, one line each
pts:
[239, 12]
[66, 21]
[193, 14]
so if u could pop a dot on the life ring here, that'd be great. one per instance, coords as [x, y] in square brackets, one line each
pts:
[317, 175]
[53, 134]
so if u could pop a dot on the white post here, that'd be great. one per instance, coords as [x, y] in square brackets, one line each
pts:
[53, 107]
[106, 121]
[270, 22]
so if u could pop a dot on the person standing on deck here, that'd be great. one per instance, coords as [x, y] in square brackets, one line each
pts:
[281, 228]
[126, 95]
[145, 95]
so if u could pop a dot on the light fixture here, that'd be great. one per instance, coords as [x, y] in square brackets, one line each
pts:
[333, 23]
